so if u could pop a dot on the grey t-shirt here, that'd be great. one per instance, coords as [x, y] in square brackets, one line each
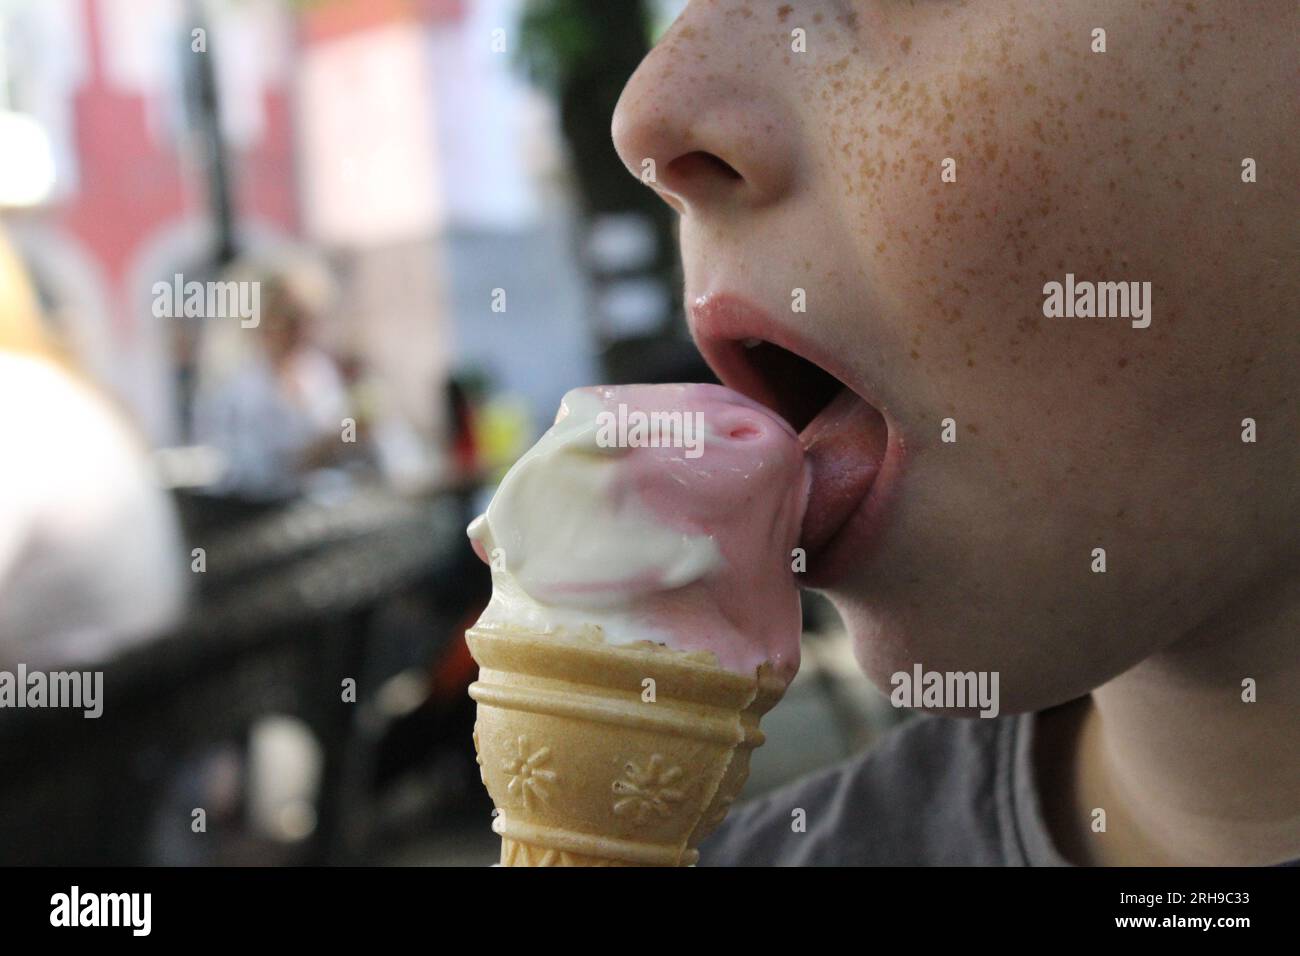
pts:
[935, 791]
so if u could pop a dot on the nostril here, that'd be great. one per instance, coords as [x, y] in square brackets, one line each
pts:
[700, 165]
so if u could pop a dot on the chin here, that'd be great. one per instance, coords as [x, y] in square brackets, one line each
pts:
[1026, 680]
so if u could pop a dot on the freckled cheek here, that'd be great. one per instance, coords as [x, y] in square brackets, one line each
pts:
[966, 261]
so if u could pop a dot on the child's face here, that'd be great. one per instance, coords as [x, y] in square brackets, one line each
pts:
[926, 298]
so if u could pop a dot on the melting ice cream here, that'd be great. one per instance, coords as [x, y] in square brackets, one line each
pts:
[662, 513]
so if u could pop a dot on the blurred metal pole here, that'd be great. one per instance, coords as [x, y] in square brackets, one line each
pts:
[205, 120]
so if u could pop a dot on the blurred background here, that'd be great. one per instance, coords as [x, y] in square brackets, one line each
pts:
[409, 235]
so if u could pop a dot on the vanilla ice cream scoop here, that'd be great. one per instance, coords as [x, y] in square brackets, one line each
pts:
[661, 513]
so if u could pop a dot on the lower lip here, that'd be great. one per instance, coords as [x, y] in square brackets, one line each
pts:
[858, 537]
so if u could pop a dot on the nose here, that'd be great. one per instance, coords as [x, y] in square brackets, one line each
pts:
[698, 123]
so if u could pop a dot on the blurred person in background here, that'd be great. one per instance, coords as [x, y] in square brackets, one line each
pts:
[91, 559]
[270, 399]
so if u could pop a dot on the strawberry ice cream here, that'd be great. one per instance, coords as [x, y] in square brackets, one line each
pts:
[659, 513]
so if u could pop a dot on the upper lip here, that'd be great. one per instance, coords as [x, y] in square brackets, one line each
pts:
[723, 321]
[807, 383]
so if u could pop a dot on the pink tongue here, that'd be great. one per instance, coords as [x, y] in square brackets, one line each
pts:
[845, 444]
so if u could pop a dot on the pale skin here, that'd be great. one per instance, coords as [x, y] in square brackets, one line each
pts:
[1073, 434]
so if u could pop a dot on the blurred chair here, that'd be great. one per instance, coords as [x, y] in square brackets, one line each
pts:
[286, 612]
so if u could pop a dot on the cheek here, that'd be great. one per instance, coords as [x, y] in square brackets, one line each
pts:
[971, 256]
[1046, 183]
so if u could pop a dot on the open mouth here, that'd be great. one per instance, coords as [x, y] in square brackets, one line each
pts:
[844, 437]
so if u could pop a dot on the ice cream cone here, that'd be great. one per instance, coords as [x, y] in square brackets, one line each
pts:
[610, 755]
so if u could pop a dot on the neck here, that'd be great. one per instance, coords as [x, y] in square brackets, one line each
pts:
[1189, 771]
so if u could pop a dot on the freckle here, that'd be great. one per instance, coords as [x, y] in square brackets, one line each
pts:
[915, 355]
[783, 11]
[971, 427]
[906, 45]
[817, 18]
[970, 363]
[1123, 362]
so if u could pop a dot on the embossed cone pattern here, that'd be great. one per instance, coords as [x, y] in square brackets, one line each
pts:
[584, 771]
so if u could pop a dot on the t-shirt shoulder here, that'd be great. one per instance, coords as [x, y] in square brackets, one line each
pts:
[926, 794]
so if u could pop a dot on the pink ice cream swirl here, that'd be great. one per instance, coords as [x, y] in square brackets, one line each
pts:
[663, 513]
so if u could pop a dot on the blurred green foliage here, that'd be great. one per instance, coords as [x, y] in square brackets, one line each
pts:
[565, 39]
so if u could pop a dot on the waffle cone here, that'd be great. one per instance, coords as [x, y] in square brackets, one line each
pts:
[586, 770]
